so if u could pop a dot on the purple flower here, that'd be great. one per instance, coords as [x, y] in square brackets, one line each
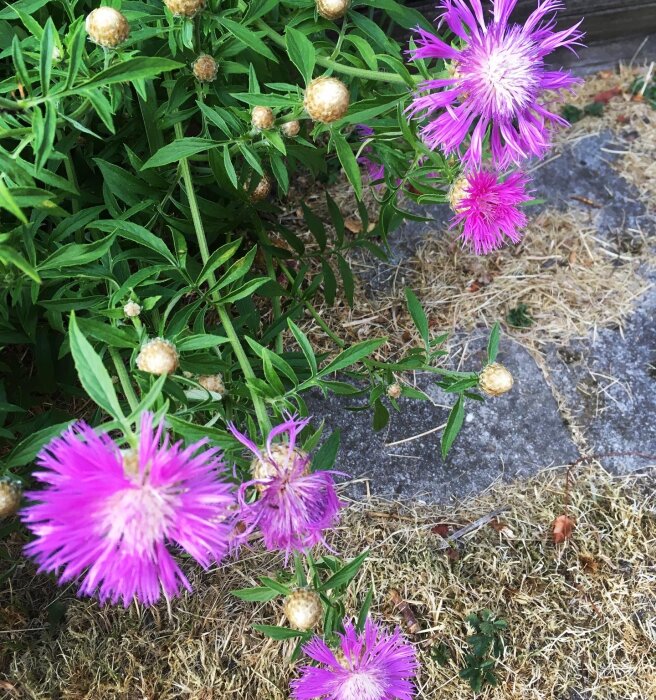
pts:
[497, 81]
[372, 665]
[375, 171]
[295, 506]
[487, 207]
[107, 516]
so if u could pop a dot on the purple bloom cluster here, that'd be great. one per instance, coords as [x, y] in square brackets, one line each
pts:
[495, 93]
[371, 665]
[109, 518]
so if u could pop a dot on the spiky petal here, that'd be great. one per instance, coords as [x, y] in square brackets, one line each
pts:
[295, 507]
[108, 518]
[497, 83]
[488, 209]
[373, 665]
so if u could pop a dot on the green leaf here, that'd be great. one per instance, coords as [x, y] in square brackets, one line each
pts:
[219, 257]
[27, 450]
[247, 37]
[19, 62]
[8, 202]
[352, 355]
[345, 575]
[327, 453]
[255, 595]
[175, 151]
[75, 51]
[301, 52]
[453, 425]
[76, 254]
[493, 343]
[418, 315]
[9, 256]
[136, 234]
[381, 415]
[92, 373]
[201, 341]
[45, 59]
[278, 633]
[132, 69]
[47, 139]
[229, 167]
[305, 345]
[349, 162]
[364, 610]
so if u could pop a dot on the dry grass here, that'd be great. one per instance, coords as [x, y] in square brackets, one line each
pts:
[581, 616]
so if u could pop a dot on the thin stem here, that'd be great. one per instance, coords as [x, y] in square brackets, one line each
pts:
[334, 65]
[224, 315]
[124, 379]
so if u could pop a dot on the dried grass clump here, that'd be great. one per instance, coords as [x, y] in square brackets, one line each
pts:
[581, 617]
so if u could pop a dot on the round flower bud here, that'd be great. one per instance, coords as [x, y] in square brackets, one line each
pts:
[495, 380]
[262, 190]
[332, 9]
[205, 68]
[291, 129]
[394, 391]
[107, 27]
[132, 309]
[213, 383]
[185, 8]
[303, 609]
[282, 460]
[262, 118]
[158, 356]
[10, 496]
[326, 100]
[457, 193]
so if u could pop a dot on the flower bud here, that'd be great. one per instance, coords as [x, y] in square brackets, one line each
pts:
[332, 9]
[291, 129]
[394, 391]
[213, 383]
[262, 189]
[107, 27]
[185, 8]
[282, 460]
[303, 609]
[262, 118]
[205, 68]
[158, 356]
[495, 380]
[132, 309]
[326, 99]
[10, 496]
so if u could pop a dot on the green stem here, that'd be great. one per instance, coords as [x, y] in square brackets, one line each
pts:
[124, 379]
[224, 315]
[334, 65]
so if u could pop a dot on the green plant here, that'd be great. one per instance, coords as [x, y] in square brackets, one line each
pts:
[487, 647]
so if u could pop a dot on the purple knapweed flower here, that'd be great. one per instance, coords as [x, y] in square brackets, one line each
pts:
[370, 665]
[497, 82]
[375, 171]
[106, 516]
[487, 206]
[295, 506]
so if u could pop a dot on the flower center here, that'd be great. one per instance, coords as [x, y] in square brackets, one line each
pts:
[363, 685]
[136, 518]
[501, 73]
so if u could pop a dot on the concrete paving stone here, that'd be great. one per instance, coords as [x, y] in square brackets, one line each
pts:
[506, 438]
[609, 383]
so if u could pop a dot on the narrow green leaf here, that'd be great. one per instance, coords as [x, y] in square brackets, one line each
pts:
[92, 373]
[255, 595]
[453, 425]
[349, 162]
[75, 51]
[8, 202]
[352, 355]
[301, 52]
[493, 343]
[278, 632]
[9, 256]
[175, 151]
[305, 345]
[327, 453]
[19, 63]
[229, 167]
[345, 575]
[26, 450]
[45, 59]
[418, 315]
[133, 68]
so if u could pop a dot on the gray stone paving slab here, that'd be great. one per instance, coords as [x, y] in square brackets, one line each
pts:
[505, 438]
[609, 383]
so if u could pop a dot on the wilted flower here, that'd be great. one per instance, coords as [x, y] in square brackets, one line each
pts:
[10, 496]
[205, 68]
[158, 356]
[488, 209]
[295, 506]
[262, 118]
[497, 81]
[495, 380]
[303, 609]
[326, 99]
[291, 129]
[107, 516]
[107, 27]
[132, 309]
[369, 665]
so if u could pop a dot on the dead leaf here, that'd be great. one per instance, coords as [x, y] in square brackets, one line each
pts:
[562, 528]
[588, 562]
[405, 611]
[502, 527]
[441, 529]
[606, 95]
[353, 225]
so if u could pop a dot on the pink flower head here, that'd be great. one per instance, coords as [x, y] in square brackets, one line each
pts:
[498, 80]
[488, 209]
[376, 665]
[108, 516]
[295, 506]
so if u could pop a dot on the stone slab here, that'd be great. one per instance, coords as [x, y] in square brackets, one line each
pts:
[511, 437]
